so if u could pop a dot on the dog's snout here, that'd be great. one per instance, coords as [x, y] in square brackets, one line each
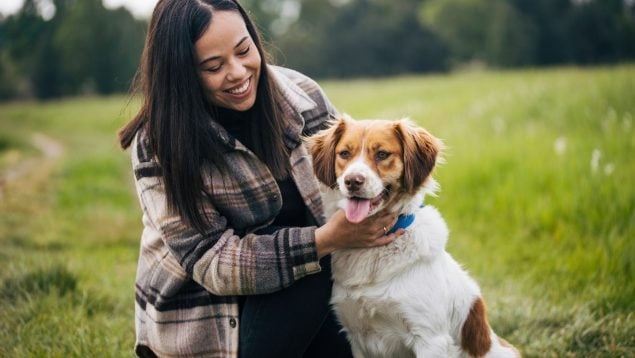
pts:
[353, 182]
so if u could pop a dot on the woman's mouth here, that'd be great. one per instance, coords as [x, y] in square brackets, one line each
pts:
[241, 89]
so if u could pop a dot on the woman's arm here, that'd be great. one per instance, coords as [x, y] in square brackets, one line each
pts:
[220, 260]
[226, 264]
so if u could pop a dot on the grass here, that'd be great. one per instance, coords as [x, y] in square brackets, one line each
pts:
[69, 233]
[537, 189]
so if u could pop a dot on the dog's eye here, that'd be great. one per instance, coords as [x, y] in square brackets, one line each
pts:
[345, 154]
[381, 155]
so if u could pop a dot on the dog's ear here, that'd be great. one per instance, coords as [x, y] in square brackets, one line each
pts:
[322, 148]
[420, 152]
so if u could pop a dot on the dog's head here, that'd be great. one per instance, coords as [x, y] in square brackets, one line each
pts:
[374, 163]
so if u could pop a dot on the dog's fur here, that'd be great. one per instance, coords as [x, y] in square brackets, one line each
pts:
[408, 298]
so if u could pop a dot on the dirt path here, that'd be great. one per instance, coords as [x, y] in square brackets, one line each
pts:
[50, 150]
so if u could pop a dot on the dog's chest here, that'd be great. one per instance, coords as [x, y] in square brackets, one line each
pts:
[363, 267]
[371, 299]
[378, 325]
[370, 314]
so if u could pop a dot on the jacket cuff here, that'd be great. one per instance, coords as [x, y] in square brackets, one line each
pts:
[304, 251]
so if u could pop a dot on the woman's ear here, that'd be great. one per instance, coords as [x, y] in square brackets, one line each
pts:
[420, 152]
[322, 148]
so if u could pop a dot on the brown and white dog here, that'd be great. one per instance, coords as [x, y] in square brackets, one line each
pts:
[408, 298]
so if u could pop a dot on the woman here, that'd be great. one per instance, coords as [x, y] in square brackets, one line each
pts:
[234, 251]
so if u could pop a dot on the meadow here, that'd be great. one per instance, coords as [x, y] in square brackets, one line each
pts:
[537, 188]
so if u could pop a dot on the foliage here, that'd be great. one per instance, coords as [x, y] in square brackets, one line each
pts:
[87, 49]
[8, 78]
[535, 189]
[522, 32]
[84, 48]
[361, 38]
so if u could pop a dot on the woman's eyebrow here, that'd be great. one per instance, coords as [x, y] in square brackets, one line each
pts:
[216, 57]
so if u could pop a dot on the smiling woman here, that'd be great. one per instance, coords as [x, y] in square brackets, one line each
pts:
[235, 248]
[229, 64]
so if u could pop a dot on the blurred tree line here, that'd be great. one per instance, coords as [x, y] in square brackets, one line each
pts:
[85, 48]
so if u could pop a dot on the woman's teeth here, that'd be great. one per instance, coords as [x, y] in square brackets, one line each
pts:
[241, 89]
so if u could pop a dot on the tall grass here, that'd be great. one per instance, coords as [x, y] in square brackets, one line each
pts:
[537, 190]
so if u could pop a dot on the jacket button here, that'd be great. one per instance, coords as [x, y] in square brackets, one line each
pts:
[274, 197]
[232, 322]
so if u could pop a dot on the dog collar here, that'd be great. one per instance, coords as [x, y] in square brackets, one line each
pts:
[403, 221]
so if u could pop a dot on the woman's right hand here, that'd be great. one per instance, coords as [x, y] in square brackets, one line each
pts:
[339, 233]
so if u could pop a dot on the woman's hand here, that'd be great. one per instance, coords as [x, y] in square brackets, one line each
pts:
[339, 233]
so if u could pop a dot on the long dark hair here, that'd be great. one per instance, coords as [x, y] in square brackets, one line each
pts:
[176, 114]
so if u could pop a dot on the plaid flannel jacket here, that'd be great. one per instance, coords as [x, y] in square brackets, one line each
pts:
[186, 283]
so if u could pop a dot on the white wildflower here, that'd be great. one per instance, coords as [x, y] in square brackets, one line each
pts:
[609, 119]
[560, 145]
[627, 122]
[609, 168]
[499, 125]
[595, 160]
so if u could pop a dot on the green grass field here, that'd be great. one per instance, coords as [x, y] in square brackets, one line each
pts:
[537, 189]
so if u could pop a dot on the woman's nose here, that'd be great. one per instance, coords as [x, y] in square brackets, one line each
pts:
[236, 71]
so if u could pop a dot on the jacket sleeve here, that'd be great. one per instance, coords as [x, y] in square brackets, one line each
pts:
[221, 261]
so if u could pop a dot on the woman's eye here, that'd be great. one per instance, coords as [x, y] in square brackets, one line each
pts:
[213, 69]
[381, 155]
[345, 154]
[244, 52]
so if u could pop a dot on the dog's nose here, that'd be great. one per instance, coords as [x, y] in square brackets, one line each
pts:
[353, 182]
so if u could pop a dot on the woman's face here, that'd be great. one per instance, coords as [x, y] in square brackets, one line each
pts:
[228, 62]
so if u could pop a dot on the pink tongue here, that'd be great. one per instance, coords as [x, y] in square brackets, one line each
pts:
[357, 210]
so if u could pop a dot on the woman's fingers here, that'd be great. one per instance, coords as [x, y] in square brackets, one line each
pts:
[382, 237]
[387, 239]
[383, 224]
[374, 231]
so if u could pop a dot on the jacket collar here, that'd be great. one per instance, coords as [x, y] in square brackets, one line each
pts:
[295, 101]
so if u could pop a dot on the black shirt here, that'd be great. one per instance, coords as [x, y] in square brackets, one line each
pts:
[293, 212]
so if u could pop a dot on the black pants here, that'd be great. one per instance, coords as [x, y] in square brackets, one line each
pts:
[294, 322]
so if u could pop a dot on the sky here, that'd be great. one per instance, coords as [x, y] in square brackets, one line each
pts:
[139, 8]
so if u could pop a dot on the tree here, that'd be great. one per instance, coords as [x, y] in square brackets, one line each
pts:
[510, 38]
[303, 44]
[8, 78]
[592, 32]
[550, 38]
[99, 48]
[82, 48]
[361, 38]
[27, 50]
[492, 31]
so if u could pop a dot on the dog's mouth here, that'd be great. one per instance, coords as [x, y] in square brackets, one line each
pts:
[357, 209]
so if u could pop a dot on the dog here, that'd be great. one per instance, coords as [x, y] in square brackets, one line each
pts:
[409, 298]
